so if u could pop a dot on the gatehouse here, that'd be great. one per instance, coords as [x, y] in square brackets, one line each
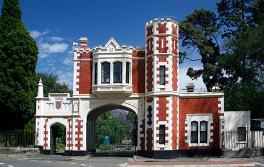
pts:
[141, 80]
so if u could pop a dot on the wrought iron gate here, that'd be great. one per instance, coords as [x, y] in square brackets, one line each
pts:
[105, 144]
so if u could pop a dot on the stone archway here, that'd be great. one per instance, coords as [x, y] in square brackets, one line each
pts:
[57, 138]
[91, 126]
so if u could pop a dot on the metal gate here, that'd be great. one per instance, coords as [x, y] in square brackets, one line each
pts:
[110, 141]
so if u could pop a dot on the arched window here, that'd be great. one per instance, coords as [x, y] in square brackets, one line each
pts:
[127, 71]
[95, 73]
[105, 72]
[194, 132]
[203, 132]
[117, 72]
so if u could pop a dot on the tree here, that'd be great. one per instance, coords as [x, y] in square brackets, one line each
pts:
[108, 125]
[200, 31]
[243, 27]
[51, 84]
[18, 57]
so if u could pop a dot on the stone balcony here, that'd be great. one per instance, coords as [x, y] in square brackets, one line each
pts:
[112, 90]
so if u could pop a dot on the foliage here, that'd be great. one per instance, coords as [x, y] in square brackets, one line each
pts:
[30, 126]
[51, 84]
[245, 96]
[199, 30]
[59, 135]
[18, 57]
[132, 121]
[105, 148]
[242, 23]
[110, 126]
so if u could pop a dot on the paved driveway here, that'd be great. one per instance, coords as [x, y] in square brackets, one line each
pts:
[64, 161]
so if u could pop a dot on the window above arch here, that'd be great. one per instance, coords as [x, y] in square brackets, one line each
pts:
[95, 73]
[127, 72]
[105, 72]
[118, 72]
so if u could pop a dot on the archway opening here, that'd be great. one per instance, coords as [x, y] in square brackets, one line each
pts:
[112, 129]
[57, 138]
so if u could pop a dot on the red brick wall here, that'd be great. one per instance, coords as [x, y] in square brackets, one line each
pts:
[163, 49]
[149, 31]
[138, 72]
[195, 106]
[174, 45]
[85, 76]
[162, 115]
[162, 28]
[174, 30]
[142, 132]
[175, 73]
[174, 122]
[79, 134]
[149, 46]
[149, 74]
[69, 132]
[149, 139]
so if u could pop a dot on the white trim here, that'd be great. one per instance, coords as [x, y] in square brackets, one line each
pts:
[198, 118]
[178, 119]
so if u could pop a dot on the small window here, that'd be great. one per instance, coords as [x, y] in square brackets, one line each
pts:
[105, 72]
[95, 73]
[162, 134]
[241, 134]
[117, 72]
[162, 75]
[203, 132]
[194, 132]
[127, 71]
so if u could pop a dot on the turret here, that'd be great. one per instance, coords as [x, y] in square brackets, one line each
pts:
[40, 89]
[162, 62]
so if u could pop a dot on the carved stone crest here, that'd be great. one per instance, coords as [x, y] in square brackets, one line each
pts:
[58, 104]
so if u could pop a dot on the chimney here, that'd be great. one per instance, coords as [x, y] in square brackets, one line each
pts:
[83, 42]
[190, 87]
[216, 88]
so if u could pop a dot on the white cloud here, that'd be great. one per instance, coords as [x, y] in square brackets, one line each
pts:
[53, 47]
[37, 34]
[48, 44]
[65, 77]
[56, 39]
[68, 61]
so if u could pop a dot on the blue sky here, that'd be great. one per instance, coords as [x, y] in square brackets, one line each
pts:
[56, 24]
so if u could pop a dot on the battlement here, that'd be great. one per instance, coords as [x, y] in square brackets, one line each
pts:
[160, 20]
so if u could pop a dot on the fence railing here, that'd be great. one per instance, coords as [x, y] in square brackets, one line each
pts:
[237, 140]
[17, 138]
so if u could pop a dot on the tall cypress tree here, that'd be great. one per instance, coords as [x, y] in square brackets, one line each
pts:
[18, 58]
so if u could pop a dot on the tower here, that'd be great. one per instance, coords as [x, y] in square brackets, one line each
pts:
[82, 74]
[162, 82]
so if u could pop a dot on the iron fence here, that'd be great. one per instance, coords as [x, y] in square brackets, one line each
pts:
[17, 138]
[236, 140]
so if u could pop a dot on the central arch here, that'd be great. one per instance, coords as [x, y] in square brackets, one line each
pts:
[91, 125]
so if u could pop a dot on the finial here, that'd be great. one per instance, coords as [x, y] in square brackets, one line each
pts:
[40, 82]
